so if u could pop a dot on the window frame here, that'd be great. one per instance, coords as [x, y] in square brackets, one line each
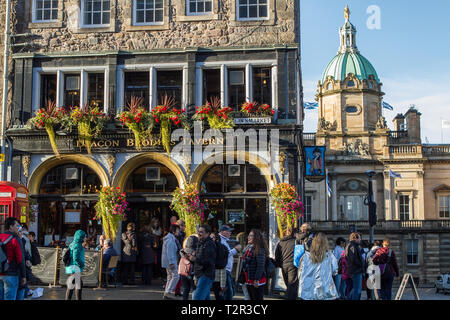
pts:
[34, 13]
[308, 203]
[189, 13]
[413, 253]
[400, 204]
[140, 24]
[447, 207]
[82, 15]
[268, 4]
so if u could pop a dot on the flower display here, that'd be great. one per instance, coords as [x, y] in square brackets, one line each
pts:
[48, 118]
[287, 204]
[167, 115]
[111, 208]
[254, 108]
[218, 117]
[186, 202]
[89, 121]
[138, 120]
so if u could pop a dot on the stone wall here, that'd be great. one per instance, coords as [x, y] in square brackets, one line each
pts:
[178, 30]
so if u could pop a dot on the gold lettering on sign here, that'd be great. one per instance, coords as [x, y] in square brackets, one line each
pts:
[145, 142]
[130, 143]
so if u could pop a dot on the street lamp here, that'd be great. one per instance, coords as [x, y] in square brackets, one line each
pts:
[368, 201]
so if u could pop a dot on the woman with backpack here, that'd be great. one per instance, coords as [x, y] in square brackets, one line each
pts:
[386, 260]
[254, 263]
[316, 270]
[75, 265]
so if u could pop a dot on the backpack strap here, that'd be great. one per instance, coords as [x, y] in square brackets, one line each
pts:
[7, 240]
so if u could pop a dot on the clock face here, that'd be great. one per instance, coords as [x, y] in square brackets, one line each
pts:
[353, 185]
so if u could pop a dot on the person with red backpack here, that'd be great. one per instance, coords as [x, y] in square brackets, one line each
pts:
[11, 265]
[386, 260]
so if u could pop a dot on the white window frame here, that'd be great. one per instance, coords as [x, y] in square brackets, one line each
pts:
[224, 66]
[252, 19]
[311, 197]
[34, 13]
[439, 205]
[60, 72]
[410, 215]
[416, 252]
[155, 23]
[188, 8]
[152, 70]
[84, 25]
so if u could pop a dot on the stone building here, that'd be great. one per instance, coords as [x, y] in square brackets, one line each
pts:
[413, 211]
[102, 52]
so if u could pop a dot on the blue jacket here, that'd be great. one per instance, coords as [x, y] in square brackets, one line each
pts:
[107, 254]
[76, 253]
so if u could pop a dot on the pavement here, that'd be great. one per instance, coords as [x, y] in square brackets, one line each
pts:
[156, 291]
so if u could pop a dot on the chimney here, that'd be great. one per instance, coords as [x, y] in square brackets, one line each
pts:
[399, 122]
[413, 124]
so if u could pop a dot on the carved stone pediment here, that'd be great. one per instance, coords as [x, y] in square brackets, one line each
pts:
[356, 147]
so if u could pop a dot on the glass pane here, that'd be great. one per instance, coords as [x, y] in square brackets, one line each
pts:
[200, 7]
[47, 4]
[208, 6]
[234, 178]
[151, 177]
[262, 85]
[243, 2]
[170, 83]
[55, 14]
[140, 4]
[243, 12]
[48, 88]
[97, 5]
[159, 15]
[55, 4]
[253, 1]
[236, 93]
[105, 18]
[159, 4]
[211, 84]
[87, 18]
[192, 7]
[136, 84]
[255, 180]
[253, 12]
[40, 4]
[39, 15]
[140, 16]
[47, 15]
[97, 18]
[212, 180]
[263, 11]
[96, 89]
[149, 16]
[106, 5]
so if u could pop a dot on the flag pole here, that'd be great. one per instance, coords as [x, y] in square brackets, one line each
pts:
[326, 192]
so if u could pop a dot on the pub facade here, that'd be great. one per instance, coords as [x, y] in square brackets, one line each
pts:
[101, 53]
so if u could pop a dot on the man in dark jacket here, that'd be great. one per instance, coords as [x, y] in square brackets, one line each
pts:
[9, 280]
[146, 244]
[305, 236]
[284, 258]
[35, 256]
[204, 264]
[108, 252]
[355, 265]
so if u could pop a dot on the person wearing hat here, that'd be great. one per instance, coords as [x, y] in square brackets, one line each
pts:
[225, 233]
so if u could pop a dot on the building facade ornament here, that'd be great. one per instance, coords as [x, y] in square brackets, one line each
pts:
[282, 159]
[111, 161]
[356, 148]
[26, 161]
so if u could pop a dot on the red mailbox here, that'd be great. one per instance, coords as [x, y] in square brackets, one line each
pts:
[13, 202]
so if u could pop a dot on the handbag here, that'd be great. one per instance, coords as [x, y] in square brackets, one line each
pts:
[185, 267]
[299, 250]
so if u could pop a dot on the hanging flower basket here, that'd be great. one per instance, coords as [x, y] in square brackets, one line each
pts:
[167, 115]
[138, 120]
[288, 206]
[111, 209]
[89, 121]
[218, 117]
[186, 202]
[256, 109]
[48, 118]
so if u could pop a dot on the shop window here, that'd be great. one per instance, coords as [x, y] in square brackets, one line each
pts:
[262, 85]
[148, 12]
[236, 88]
[71, 90]
[152, 177]
[137, 85]
[45, 10]
[308, 208]
[444, 206]
[412, 251]
[96, 13]
[252, 9]
[170, 83]
[199, 6]
[404, 207]
[4, 212]
[255, 180]
[96, 89]
[48, 89]
[213, 180]
[211, 84]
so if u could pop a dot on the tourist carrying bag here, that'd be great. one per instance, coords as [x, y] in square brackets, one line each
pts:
[185, 267]
[3, 258]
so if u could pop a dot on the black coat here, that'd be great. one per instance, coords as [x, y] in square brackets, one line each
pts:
[254, 264]
[284, 252]
[205, 259]
[353, 255]
[35, 256]
[146, 243]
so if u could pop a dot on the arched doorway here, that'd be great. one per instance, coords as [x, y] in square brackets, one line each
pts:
[236, 194]
[66, 195]
[149, 190]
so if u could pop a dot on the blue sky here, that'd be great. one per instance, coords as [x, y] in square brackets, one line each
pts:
[410, 51]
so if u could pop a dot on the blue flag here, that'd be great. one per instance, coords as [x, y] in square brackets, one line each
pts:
[394, 174]
[310, 105]
[387, 106]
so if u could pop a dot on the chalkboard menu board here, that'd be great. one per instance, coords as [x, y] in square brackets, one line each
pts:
[90, 272]
[45, 271]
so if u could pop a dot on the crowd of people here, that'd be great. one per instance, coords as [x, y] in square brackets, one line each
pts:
[203, 262]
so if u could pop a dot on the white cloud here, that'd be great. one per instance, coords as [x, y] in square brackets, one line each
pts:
[431, 97]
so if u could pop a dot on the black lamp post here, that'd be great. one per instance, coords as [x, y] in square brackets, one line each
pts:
[372, 205]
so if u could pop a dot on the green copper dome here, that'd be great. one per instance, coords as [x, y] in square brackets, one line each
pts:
[349, 62]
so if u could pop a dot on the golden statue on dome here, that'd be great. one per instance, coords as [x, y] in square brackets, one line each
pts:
[347, 13]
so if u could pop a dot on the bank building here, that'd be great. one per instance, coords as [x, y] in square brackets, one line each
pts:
[412, 201]
[101, 53]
